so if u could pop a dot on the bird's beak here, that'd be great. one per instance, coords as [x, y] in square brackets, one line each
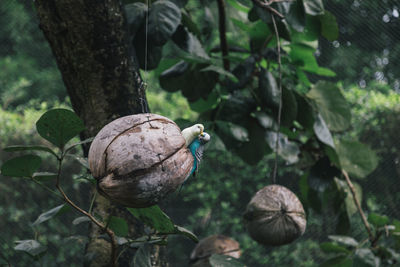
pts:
[201, 132]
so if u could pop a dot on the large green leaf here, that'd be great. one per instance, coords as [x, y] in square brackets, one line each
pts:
[45, 216]
[322, 132]
[322, 174]
[296, 16]
[193, 82]
[183, 231]
[58, 126]
[313, 7]
[217, 260]
[289, 107]
[332, 105]
[269, 90]
[22, 166]
[154, 217]
[118, 225]
[164, 18]
[149, 56]
[135, 14]
[188, 42]
[44, 176]
[32, 247]
[329, 27]
[356, 158]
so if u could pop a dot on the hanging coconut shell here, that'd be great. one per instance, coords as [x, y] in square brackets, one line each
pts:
[139, 159]
[215, 244]
[275, 216]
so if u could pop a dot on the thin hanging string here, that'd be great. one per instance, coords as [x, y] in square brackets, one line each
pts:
[143, 85]
[280, 100]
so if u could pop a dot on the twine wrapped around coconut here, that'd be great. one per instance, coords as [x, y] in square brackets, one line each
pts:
[215, 244]
[275, 216]
[139, 159]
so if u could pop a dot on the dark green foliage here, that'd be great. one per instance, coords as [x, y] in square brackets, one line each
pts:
[23, 166]
[58, 126]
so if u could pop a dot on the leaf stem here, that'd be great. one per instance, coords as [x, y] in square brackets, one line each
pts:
[109, 232]
[222, 33]
[355, 199]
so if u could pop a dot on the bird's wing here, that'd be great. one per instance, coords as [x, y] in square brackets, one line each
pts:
[199, 155]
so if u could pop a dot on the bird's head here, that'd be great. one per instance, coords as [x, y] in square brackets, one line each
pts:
[204, 138]
[192, 132]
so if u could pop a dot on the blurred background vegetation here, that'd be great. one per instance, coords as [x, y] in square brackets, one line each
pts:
[365, 59]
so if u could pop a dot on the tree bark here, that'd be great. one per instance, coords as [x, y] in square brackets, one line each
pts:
[90, 41]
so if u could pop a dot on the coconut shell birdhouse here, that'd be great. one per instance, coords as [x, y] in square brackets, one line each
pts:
[215, 244]
[137, 160]
[275, 216]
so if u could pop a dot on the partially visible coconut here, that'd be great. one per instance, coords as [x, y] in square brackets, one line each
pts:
[215, 244]
[275, 216]
[139, 159]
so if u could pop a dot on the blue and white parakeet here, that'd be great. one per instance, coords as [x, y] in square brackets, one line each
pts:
[192, 133]
[197, 149]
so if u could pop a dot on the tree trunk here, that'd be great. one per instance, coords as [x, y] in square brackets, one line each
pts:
[90, 41]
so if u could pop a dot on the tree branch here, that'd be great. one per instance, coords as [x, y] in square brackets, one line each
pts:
[222, 33]
[267, 6]
[355, 199]
[109, 232]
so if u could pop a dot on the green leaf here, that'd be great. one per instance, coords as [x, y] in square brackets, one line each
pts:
[22, 166]
[296, 16]
[345, 240]
[289, 151]
[340, 261]
[88, 140]
[45, 216]
[83, 161]
[322, 132]
[265, 120]
[24, 148]
[149, 57]
[135, 14]
[80, 219]
[164, 18]
[349, 201]
[202, 105]
[365, 257]
[58, 126]
[154, 217]
[238, 6]
[322, 174]
[237, 132]
[32, 247]
[289, 107]
[313, 7]
[329, 27]
[183, 231]
[217, 260]
[142, 257]
[269, 90]
[243, 72]
[118, 225]
[189, 43]
[44, 176]
[377, 219]
[330, 247]
[221, 71]
[193, 83]
[332, 105]
[343, 222]
[356, 158]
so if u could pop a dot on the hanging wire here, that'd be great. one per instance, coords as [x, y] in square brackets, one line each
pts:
[143, 84]
[278, 44]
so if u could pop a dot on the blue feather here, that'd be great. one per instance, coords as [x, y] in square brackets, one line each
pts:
[193, 148]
